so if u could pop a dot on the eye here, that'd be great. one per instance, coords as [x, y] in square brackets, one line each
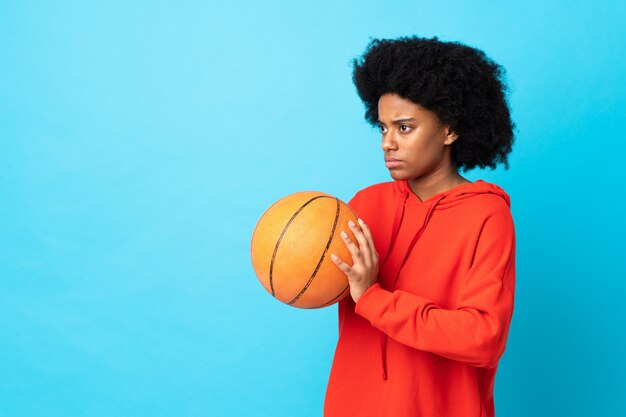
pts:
[381, 128]
[404, 130]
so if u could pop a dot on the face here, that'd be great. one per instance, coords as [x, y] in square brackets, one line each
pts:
[414, 141]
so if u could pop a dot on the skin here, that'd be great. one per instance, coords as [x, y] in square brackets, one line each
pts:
[416, 138]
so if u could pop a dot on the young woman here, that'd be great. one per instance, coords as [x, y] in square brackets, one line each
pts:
[432, 275]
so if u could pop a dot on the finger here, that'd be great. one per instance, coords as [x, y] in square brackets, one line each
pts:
[370, 239]
[354, 250]
[345, 268]
[364, 246]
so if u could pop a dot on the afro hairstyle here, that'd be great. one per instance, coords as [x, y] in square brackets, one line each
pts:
[460, 84]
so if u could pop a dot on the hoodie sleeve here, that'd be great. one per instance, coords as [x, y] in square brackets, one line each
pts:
[476, 331]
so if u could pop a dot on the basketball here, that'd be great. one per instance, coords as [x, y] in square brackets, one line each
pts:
[291, 246]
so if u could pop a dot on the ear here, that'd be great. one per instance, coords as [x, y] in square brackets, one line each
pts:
[451, 136]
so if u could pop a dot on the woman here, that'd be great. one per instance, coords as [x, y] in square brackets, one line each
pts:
[432, 280]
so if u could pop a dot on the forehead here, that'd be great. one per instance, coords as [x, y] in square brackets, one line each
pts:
[392, 106]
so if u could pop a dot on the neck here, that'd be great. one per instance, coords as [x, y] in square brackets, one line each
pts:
[436, 182]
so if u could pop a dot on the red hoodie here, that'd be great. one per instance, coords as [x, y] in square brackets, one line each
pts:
[425, 340]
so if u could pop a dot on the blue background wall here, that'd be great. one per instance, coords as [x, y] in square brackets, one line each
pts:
[141, 141]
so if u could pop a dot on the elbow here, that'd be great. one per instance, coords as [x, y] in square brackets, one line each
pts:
[489, 359]
[489, 352]
[491, 347]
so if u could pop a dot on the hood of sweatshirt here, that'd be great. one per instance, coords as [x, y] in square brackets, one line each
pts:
[396, 197]
[401, 195]
[455, 195]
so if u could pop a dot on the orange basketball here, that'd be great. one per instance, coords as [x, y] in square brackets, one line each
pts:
[291, 247]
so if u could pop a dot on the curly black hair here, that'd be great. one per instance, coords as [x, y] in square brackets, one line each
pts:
[460, 84]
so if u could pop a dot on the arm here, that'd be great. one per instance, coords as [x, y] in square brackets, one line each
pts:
[474, 333]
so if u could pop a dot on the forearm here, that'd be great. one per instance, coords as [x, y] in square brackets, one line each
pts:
[474, 334]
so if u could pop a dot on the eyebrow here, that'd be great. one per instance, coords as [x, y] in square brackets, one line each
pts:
[400, 121]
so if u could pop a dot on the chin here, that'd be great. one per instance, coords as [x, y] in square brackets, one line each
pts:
[398, 176]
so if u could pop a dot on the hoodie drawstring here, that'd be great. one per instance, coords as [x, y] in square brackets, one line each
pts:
[396, 227]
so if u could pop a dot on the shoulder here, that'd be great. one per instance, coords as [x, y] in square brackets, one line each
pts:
[484, 204]
[381, 189]
[487, 199]
[494, 215]
[489, 204]
[376, 199]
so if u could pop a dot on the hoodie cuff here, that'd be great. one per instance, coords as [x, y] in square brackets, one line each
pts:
[372, 302]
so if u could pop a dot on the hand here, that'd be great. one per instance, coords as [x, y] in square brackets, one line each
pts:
[364, 271]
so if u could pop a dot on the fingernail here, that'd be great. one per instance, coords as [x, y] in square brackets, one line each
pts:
[344, 234]
[361, 221]
[351, 223]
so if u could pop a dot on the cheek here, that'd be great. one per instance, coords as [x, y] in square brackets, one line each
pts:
[423, 155]
[429, 145]
[419, 149]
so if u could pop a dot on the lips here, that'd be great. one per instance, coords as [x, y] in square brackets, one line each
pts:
[392, 163]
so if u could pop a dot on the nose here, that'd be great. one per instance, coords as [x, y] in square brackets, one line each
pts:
[389, 142]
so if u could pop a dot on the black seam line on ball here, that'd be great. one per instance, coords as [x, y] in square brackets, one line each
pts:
[333, 300]
[281, 237]
[330, 240]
